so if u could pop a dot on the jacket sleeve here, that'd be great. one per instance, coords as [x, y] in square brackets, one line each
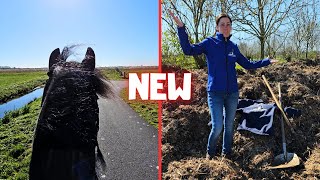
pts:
[187, 48]
[247, 64]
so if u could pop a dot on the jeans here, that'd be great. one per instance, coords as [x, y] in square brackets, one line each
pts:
[223, 107]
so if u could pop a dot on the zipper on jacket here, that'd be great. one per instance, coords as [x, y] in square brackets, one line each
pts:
[226, 54]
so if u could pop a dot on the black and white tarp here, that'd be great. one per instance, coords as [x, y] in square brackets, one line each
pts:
[257, 117]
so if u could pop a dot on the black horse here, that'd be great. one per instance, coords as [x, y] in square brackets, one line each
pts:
[65, 143]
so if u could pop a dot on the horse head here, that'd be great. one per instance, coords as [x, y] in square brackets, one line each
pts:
[69, 117]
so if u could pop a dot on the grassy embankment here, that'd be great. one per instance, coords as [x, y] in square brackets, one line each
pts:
[16, 83]
[16, 132]
[16, 128]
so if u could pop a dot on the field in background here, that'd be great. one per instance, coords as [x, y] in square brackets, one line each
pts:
[119, 73]
[17, 82]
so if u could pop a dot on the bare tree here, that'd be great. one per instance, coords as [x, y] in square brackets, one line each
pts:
[277, 42]
[246, 49]
[311, 25]
[297, 35]
[198, 17]
[305, 28]
[261, 18]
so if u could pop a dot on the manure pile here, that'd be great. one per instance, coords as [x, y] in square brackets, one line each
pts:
[185, 129]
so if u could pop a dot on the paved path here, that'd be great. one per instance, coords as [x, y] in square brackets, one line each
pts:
[128, 143]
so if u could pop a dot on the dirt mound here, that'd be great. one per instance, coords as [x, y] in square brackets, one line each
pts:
[312, 165]
[185, 127]
[201, 168]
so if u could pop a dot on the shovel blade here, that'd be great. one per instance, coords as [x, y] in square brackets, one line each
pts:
[281, 162]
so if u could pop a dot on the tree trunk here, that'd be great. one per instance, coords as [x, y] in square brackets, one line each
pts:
[307, 50]
[262, 41]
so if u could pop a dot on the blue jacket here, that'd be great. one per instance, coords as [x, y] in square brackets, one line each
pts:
[221, 55]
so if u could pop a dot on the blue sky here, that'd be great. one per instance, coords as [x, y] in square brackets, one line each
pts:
[122, 32]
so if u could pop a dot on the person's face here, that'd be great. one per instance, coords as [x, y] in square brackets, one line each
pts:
[224, 26]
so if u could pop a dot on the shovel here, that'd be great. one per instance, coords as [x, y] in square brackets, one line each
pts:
[286, 159]
[278, 104]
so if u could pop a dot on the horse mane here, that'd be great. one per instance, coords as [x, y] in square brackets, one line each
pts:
[68, 123]
[101, 82]
[70, 95]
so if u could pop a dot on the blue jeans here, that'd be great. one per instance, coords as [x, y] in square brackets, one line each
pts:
[223, 107]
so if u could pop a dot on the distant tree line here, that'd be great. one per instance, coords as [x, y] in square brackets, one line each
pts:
[6, 67]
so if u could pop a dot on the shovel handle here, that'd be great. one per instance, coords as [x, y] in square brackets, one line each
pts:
[284, 145]
[280, 97]
[278, 103]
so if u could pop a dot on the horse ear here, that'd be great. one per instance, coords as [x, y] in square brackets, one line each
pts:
[54, 57]
[89, 61]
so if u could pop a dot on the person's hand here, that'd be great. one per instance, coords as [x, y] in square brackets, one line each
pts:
[272, 61]
[176, 19]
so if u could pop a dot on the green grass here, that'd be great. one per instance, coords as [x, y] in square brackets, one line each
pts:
[112, 74]
[148, 110]
[16, 133]
[16, 83]
[238, 67]
[140, 70]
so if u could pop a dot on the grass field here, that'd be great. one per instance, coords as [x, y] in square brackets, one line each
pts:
[148, 110]
[112, 74]
[16, 132]
[16, 83]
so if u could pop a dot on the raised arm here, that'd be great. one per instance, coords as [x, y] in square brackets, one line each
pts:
[176, 19]
[187, 48]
